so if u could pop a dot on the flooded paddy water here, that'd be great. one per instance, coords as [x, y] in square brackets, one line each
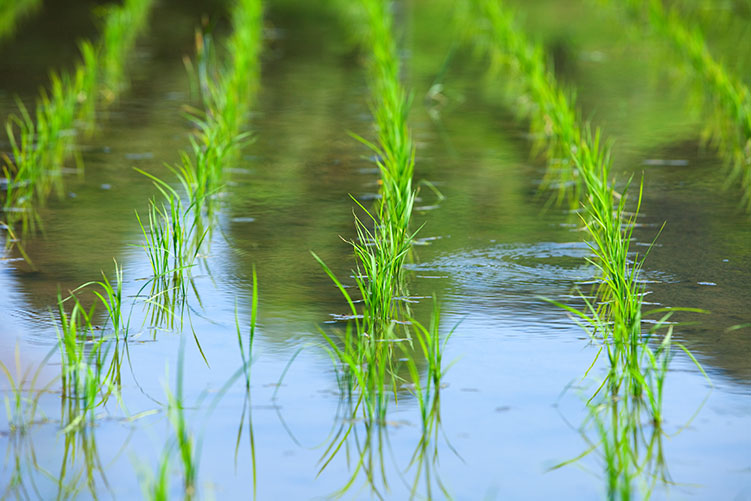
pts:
[513, 418]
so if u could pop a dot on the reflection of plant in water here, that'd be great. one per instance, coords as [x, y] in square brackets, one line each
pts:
[79, 440]
[627, 417]
[182, 443]
[80, 444]
[368, 375]
[247, 360]
[21, 407]
[428, 394]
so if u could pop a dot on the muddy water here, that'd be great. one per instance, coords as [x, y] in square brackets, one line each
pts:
[515, 397]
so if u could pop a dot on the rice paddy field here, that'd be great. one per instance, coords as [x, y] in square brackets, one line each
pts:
[366, 249]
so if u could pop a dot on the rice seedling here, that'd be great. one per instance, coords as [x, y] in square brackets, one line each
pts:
[368, 372]
[12, 12]
[40, 145]
[89, 374]
[726, 98]
[364, 352]
[111, 297]
[395, 150]
[627, 422]
[173, 239]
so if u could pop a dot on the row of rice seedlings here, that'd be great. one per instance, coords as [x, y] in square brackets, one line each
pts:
[617, 314]
[228, 91]
[176, 230]
[41, 143]
[12, 11]
[727, 99]
[554, 122]
[383, 252]
[374, 344]
[383, 239]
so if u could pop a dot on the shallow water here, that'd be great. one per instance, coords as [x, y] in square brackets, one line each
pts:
[515, 396]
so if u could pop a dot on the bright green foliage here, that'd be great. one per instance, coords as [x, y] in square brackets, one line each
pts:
[228, 93]
[89, 374]
[550, 108]
[727, 99]
[41, 143]
[122, 25]
[384, 240]
[173, 239]
[176, 230]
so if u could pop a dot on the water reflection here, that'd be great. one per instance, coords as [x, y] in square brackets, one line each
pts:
[372, 374]
[624, 427]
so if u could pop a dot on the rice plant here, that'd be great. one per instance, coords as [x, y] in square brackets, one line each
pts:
[111, 298]
[726, 98]
[172, 240]
[90, 375]
[384, 240]
[365, 352]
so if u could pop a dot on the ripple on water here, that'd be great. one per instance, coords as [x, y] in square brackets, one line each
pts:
[510, 279]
